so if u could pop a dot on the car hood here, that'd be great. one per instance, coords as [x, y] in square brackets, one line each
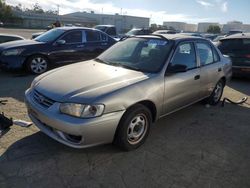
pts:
[19, 43]
[85, 81]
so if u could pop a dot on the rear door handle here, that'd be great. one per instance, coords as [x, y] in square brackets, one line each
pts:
[197, 77]
[219, 69]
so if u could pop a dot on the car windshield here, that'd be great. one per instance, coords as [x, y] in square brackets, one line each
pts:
[140, 54]
[50, 36]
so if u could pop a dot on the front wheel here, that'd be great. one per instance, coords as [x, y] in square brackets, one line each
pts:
[215, 97]
[133, 128]
[37, 64]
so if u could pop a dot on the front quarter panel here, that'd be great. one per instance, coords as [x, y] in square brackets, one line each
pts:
[151, 89]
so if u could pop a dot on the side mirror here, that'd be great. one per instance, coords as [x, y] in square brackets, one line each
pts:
[60, 42]
[176, 68]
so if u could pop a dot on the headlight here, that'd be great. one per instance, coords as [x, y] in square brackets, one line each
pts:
[12, 52]
[82, 111]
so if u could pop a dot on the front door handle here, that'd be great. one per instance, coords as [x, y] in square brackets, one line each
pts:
[219, 69]
[197, 77]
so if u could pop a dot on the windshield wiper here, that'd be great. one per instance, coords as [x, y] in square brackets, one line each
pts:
[101, 61]
[117, 64]
[129, 67]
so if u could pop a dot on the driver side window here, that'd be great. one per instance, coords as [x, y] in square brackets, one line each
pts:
[185, 55]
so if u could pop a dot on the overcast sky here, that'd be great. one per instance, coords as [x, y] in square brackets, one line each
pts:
[191, 11]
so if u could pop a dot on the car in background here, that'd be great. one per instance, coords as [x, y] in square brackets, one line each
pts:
[57, 46]
[237, 47]
[138, 31]
[165, 32]
[117, 96]
[209, 36]
[232, 32]
[192, 34]
[217, 39]
[7, 38]
[109, 29]
[1, 24]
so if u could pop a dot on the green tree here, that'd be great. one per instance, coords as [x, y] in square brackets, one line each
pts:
[214, 29]
[6, 14]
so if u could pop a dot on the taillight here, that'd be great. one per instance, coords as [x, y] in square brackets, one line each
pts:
[248, 56]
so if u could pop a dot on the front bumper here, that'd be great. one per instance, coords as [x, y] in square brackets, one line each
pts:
[71, 131]
[11, 62]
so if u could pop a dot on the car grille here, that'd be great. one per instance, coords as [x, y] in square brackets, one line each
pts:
[42, 100]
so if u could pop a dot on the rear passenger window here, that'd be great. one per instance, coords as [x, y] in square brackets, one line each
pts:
[205, 53]
[229, 45]
[185, 55]
[92, 36]
[73, 37]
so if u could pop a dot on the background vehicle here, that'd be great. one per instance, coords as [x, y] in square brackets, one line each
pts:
[138, 31]
[109, 29]
[209, 36]
[232, 32]
[237, 47]
[57, 46]
[165, 32]
[116, 97]
[1, 24]
[192, 34]
[8, 38]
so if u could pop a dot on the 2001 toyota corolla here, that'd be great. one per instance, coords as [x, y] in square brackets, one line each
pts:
[117, 96]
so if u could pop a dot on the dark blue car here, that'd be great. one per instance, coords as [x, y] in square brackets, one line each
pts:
[57, 46]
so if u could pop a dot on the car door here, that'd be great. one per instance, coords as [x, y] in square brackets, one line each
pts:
[211, 67]
[68, 47]
[96, 43]
[182, 88]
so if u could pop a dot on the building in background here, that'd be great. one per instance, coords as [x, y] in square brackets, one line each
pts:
[203, 26]
[180, 26]
[191, 27]
[41, 20]
[123, 23]
[232, 26]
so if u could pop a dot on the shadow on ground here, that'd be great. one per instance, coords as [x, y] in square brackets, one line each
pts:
[14, 84]
[243, 87]
[195, 147]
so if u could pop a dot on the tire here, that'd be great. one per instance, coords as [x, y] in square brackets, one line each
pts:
[133, 128]
[37, 64]
[215, 97]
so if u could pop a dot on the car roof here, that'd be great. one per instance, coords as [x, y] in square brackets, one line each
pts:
[174, 37]
[74, 28]
[10, 35]
[237, 36]
[105, 25]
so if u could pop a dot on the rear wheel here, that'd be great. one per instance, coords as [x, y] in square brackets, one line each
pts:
[133, 128]
[37, 64]
[215, 97]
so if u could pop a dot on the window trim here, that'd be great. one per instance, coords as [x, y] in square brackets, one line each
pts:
[213, 52]
[175, 51]
[68, 33]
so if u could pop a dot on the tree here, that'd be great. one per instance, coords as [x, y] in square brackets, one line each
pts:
[214, 29]
[6, 14]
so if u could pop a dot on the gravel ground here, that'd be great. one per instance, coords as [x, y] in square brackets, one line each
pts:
[195, 147]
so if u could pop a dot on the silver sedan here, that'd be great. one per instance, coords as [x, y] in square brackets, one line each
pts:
[116, 97]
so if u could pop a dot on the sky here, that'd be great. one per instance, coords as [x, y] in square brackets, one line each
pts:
[190, 11]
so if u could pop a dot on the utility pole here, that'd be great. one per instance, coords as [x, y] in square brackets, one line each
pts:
[58, 7]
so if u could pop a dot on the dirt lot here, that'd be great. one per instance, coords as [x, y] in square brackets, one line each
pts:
[195, 147]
